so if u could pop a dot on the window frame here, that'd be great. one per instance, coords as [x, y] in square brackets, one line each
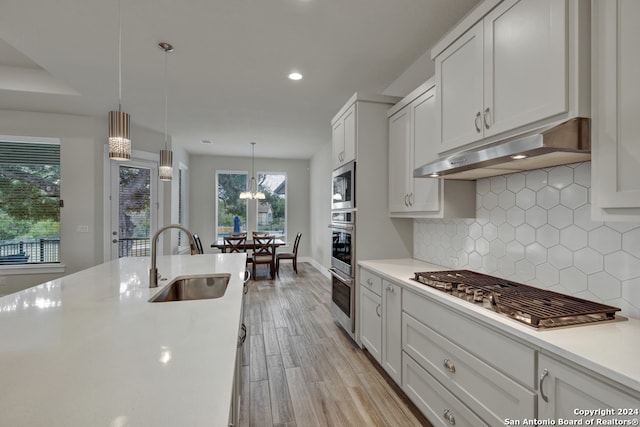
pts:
[217, 200]
[38, 268]
[286, 201]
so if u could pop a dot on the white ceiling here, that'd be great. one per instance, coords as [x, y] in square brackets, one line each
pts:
[227, 78]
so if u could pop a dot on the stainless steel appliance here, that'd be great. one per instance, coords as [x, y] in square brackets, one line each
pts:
[539, 308]
[344, 186]
[343, 269]
[568, 142]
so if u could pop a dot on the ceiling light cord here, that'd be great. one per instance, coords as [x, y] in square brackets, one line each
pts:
[166, 97]
[119, 55]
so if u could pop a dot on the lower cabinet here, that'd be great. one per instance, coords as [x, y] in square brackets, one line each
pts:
[564, 388]
[460, 371]
[371, 322]
[391, 325]
[440, 406]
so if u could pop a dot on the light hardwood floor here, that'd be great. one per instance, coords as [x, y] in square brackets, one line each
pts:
[301, 369]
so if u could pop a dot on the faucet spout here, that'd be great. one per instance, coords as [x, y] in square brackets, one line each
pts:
[153, 272]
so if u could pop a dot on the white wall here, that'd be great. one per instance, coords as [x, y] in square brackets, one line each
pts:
[320, 239]
[535, 227]
[203, 194]
[82, 142]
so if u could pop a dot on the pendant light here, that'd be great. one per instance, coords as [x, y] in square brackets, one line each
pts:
[252, 192]
[119, 139]
[166, 156]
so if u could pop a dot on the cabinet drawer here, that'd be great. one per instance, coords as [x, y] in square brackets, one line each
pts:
[512, 358]
[484, 389]
[440, 407]
[371, 281]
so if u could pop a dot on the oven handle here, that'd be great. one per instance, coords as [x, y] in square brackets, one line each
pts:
[341, 226]
[340, 277]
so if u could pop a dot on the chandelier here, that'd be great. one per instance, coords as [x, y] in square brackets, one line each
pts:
[252, 192]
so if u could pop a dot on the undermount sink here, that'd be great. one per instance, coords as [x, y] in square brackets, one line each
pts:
[193, 288]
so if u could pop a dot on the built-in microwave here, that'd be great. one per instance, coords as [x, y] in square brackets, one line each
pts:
[344, 187]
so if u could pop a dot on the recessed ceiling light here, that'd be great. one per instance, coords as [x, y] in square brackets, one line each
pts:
[295, 76]
[205, 141]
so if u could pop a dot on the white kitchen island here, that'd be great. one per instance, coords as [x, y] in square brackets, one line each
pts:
[88, 349]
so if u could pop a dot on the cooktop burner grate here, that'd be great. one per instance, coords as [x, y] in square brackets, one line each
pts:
[536, 307]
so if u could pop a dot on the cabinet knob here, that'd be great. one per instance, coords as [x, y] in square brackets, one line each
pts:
[477, 122]
[449, 365]
[369, 281]
[487, 118]
[448, 415]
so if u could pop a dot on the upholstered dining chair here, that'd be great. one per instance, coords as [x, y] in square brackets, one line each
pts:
[196, 239]
[264, 252]
[293, 256]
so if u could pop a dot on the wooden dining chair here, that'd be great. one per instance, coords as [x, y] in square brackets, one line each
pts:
[196, 239]
[264, 252]
[293, 256]
[234, 244]
[260, 233]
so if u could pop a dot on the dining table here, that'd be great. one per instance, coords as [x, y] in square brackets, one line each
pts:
[248, 244]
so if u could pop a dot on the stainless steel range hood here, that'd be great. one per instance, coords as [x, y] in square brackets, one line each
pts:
[565, 143]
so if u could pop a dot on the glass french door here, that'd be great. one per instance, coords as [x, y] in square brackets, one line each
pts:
[134, 207]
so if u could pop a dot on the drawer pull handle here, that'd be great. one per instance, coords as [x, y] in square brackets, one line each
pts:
[448, 415]
[449, 365]
[378, 310]
[478, 127]
[243, 337]
[542, 377]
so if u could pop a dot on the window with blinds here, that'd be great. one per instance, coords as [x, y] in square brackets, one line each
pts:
[29, 202]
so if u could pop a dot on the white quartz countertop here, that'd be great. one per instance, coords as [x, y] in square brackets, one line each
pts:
[88, 349]
[608, 348]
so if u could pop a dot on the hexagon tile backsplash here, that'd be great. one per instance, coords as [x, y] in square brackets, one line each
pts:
[534, 227]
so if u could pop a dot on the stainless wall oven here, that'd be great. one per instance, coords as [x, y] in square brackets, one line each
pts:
[344, 186]
[343, 269]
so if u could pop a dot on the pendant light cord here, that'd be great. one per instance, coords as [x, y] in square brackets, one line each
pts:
[119, 55]
[165, 99]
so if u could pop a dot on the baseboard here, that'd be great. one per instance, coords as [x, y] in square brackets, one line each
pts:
[322, 269]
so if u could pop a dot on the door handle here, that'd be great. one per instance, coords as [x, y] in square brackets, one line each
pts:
[487, 113]
[478, 127]
[378, 310]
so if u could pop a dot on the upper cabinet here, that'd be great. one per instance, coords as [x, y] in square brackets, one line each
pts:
[358, 120]
[411, 145]
[615, 186]
[344, 137]
[511, 67]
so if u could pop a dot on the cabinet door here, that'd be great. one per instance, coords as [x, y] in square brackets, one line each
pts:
[399, 142]
[337, 138]
[616, 90]
[563, 389]
[525, 74]
[392, 330]
[424, 193]
[459, 87]
[371, 322]
[350, 134]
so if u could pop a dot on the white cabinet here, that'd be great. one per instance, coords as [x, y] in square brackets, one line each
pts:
[344, 137]
[515, 68]
[615, 126]
[489, 373]
[411, 145]
[564, 388]
[381, 305]
[371, 322]
[391, 327]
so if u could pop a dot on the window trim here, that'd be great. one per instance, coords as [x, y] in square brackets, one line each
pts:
[286, 198]
[217, 205]
[44, 268]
